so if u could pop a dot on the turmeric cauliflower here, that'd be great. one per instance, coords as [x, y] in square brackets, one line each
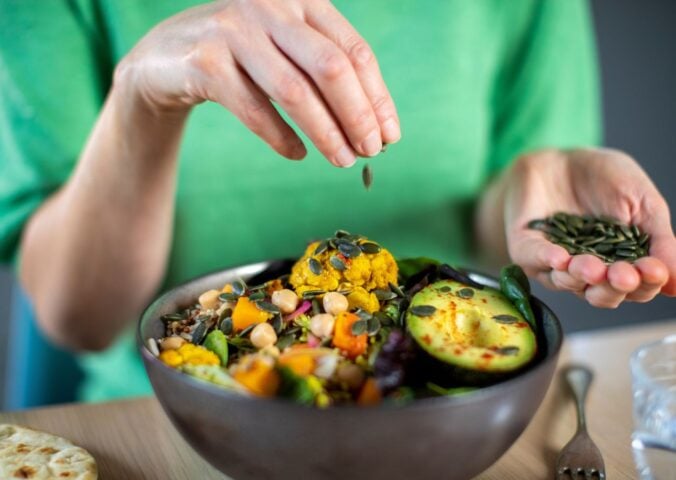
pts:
[189, 354]
[332, 270]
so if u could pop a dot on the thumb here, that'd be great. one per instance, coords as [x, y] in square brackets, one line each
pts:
[663, 247]
[534, 253]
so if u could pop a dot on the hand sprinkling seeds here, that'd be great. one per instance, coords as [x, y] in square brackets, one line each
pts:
[602, 236]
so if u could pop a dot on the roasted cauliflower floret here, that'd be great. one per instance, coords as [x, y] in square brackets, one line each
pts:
[361, 274]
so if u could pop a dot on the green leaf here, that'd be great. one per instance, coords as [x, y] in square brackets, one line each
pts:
[295, 387]
[515, 286]
[217, 342]
[516, 272]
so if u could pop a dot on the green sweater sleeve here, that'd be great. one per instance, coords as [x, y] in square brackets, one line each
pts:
[546, 91]
[52, 76]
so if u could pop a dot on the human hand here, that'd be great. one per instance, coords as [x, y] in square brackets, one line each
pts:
[302, 54]
[599, 182]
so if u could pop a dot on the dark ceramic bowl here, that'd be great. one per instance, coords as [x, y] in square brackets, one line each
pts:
[254, 438]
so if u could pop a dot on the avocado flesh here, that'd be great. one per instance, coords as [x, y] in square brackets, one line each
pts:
[464, 332]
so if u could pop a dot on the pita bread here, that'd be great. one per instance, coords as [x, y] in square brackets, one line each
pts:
[26, 453]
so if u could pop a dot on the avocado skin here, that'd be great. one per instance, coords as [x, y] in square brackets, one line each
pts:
[446, 375]
[446, 368]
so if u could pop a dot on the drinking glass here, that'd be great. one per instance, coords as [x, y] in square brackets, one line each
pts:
[653, 369]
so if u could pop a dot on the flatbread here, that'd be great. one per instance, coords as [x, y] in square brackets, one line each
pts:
[26, 453]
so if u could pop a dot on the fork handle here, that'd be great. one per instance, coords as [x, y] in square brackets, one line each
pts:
[579, 378]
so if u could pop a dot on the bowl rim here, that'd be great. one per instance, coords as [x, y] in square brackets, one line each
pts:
[421, 403]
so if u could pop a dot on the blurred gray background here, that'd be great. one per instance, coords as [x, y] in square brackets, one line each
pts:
[635, 41]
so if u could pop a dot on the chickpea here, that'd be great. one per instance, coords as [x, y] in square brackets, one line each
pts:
[335, 303]
[285, 299]
[263, 335]
[172, 343]
[209, 299]
[351, 374]
[321, 325]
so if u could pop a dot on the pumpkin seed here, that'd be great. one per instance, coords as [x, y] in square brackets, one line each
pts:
[445, 289]
[509, 350]
[359, 327]
[277, 323]
[353, 238]
[228, 297]
[384, 295]
[172, 317]
[285, 341]
[423, 310]
[465, 293]
[238, 287]
[537, 224]
[341, 233]
[267, 306]
[602, 236]
[350, 250]
[627, 231]
[505, 318]
[322, 247]
[310, 294]
[241, 343]
[226, 325]
[337, 263]
[227, 312]
[396, 289]
[259, 295]
[363, 314]
[370, 247]
[367, 176]
[372, 326]
[247, 330]
[316, 307]
[315, 266]
[199, 333]
[383, 318]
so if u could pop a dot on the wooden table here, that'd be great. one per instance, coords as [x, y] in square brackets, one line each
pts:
[133, 439]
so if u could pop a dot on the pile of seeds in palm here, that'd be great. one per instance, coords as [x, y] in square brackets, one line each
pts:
[602, 236]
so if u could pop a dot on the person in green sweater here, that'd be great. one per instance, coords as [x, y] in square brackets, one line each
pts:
[123, 173]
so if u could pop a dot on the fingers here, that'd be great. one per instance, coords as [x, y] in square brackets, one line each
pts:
[654, 275]
[663, 247]
[336, 80]
[253, 108]
[622, 280]
[291, 89]
[329, 22]
[582, 270]
[535, 254]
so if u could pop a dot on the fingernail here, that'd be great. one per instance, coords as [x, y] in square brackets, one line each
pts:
[373, 144]
[345, 157]
[298, 152]
[391, 131]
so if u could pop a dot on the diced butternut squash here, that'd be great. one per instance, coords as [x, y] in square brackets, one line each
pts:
[344, 339]
[301, 364]
[259, 377]
[370, 393]
[247, 313]
[227, 288]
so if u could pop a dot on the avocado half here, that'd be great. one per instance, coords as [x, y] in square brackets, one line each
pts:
[477, 334]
